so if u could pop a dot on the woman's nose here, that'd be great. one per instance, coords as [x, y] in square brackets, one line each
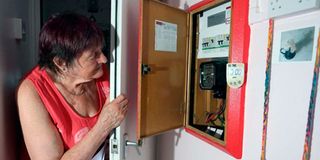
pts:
[102, 58]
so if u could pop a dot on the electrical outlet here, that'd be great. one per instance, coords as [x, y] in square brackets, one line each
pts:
[284, 7]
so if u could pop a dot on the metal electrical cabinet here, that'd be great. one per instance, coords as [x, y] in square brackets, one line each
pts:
[182, 70]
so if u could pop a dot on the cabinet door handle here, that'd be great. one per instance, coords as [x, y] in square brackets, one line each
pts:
[145, 69]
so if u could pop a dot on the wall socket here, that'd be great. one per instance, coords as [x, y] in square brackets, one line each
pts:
[284, 7]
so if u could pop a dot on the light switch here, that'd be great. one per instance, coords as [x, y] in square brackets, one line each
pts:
[16, 26]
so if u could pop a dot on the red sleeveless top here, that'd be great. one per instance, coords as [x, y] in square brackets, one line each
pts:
[72, 126]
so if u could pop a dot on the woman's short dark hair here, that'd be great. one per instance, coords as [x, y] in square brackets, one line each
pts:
[66, 36]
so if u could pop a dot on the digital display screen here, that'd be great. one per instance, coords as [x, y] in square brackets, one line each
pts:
[217, 18]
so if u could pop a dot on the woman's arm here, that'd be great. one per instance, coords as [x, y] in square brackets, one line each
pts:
[42, 139]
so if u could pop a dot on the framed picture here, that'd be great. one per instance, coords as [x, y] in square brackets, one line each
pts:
[294, 45]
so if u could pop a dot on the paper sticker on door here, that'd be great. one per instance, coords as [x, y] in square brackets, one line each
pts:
[165, 36]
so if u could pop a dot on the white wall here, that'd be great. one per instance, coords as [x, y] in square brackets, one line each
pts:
[289, 102]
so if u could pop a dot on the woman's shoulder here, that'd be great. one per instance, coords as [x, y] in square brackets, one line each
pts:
[26, 88]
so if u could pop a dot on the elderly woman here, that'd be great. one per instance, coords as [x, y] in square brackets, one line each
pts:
[63, 102]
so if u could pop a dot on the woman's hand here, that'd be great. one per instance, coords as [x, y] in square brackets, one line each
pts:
[113, 113]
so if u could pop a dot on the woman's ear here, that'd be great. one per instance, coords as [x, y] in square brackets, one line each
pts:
[60, 64]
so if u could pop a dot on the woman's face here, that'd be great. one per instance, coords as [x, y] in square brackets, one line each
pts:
[88, 65]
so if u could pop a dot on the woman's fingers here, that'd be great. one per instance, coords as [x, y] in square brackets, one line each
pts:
[113, 113]
[120, 98]
[124, 109]
[124, 103]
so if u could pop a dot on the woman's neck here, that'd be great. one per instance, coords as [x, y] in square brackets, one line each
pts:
[68, 83]
[75, 89]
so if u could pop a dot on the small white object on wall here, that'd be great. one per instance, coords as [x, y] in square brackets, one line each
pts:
[16, 27]
[258, 11]
[284, 7]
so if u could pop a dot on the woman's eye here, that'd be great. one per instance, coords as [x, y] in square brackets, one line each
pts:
[92, 57]
[95, 55]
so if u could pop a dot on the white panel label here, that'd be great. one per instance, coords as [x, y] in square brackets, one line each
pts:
[235, 74]
[165, 36]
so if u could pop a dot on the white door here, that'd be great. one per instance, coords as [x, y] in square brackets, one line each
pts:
[123, 76]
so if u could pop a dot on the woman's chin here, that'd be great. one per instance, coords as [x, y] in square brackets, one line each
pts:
[98, 74]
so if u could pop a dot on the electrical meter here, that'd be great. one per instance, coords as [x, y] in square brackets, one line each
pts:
[213, 77]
